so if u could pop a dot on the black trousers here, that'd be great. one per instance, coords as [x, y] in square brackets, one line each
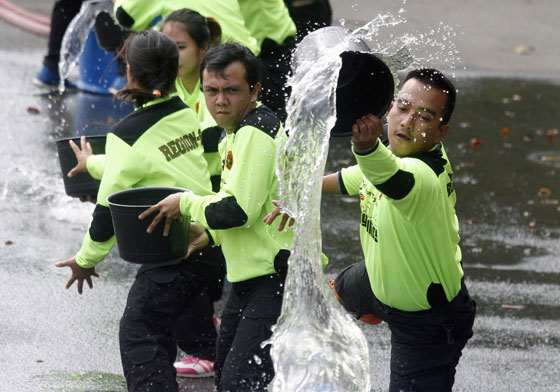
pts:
[158, 296]
[194, 329]
[310, 17]
[62, 14]
[425, 345]
[253, 307]
[276, 66]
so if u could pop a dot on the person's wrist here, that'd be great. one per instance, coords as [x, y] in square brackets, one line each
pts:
[364, 148]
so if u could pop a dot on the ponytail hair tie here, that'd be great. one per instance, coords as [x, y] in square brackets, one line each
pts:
[157, 93]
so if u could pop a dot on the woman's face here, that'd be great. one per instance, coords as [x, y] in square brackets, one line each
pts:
[190, 55]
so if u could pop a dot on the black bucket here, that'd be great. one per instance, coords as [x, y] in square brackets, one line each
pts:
[365, 83]
[134, 243]
[81, 184]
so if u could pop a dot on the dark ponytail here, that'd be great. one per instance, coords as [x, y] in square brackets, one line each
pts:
[153, 59]
[203, 31]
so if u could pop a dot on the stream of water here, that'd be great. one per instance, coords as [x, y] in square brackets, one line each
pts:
[316, 346]
[76, 35]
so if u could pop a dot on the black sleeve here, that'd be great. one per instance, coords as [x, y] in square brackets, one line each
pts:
[101, 228]
[225, 214]
[124, 18]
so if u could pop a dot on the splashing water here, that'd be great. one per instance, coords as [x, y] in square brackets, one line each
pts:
[331, 352]
[316, 346]
[435, 47]
[76, 35]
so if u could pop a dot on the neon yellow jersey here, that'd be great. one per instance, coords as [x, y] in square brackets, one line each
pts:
[235, 214]
[137, 15]
[211, 132]
[157, 145]
[408, 229]
[267, 19]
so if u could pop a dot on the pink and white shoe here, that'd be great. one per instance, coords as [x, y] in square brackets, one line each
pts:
[216, 321]
[194, 367]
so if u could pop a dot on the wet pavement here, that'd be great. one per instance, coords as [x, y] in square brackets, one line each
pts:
[505, 150]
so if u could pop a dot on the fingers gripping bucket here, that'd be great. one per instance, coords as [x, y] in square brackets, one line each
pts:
[365, 83]
[134, 243]
[81, 184]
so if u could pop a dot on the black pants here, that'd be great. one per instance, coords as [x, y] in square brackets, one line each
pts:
[194, 329]
[425, 345]
[276, 66]
[155, 300]
[310, 17]
[253, 307]
[62, 14]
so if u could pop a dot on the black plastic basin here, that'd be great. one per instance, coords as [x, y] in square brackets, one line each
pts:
[134, 243]
[365, 83]
[81, 184]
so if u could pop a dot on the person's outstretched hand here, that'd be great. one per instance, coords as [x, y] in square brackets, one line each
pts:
[365, 132]
[168, 208]
[82, 155]
[198, 239]
[78, 273]
[274, 214]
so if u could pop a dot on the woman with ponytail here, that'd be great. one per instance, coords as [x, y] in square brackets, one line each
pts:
[148, 148]
[195, 329]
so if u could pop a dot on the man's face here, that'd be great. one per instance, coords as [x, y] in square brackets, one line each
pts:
[415, 119]
[229, 97]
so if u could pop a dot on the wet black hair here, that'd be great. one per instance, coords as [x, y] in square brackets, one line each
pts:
[434, 78]
[217, 59]
[204, 31]
[153, 59]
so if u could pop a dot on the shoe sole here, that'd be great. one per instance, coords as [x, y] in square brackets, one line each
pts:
[187, 375]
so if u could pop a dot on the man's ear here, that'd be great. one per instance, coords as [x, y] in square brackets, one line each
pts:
[255, 92]
[444, 130]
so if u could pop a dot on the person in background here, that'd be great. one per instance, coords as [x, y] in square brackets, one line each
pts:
[309, 15]
[270, 23]
[142, 150]
[256, 254]
[412, 277]
[62, 14]
[136, 15]
[195, 329]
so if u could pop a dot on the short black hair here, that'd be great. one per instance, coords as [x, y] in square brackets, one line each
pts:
[218, 58]
[436, 79]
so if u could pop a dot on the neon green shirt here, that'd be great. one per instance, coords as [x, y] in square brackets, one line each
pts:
[211, 132]
[267, 19]
[235, 214]
[157, 145]
[408, 229]
[138, 14]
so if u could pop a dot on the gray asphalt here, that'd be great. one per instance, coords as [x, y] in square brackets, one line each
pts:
[55, 340]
